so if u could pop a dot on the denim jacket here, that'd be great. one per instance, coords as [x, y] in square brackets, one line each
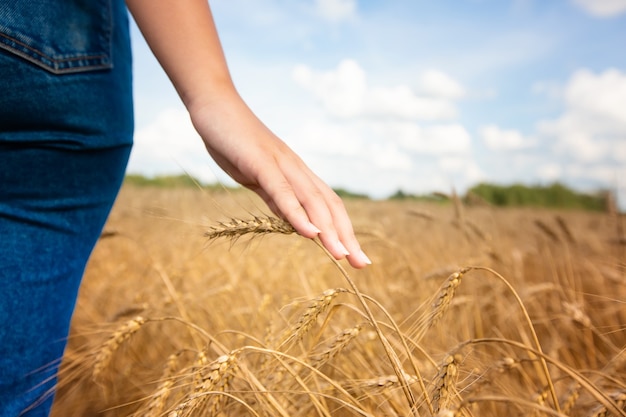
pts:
[65, 67]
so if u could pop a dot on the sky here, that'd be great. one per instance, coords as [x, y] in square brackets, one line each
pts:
[417, 95]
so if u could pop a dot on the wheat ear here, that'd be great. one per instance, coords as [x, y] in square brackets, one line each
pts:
[258, 225]
[313, 311]
[445, 382]
[620, 402]
[209, 378]
[338, 343]
[106, 351]
[156, 404]
[446, 293]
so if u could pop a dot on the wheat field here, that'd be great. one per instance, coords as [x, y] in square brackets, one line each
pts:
[197, 303]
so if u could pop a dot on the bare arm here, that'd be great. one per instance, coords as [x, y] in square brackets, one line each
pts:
[182, 35]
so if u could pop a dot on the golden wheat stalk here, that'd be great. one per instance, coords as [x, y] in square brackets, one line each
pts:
[112, 344]
[258, 225]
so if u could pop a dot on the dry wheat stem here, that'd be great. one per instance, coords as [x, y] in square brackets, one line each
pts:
[391, 354]
[171, 289]
[584, 382]
[510, 400]
[547, 231]
[544, 365]
[283, 358]
[620, 402]
[403, 339]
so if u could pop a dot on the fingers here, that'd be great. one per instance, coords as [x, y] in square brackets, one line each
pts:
[313, 209]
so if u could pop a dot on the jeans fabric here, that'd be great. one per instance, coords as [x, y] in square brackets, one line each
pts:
[66, 129]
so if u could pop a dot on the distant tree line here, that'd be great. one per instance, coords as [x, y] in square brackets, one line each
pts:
[169, 181]
[554, 195]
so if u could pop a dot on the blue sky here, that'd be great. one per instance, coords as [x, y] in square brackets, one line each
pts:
[418, 95]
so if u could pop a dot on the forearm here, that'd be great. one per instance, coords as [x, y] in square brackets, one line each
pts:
[183, 37]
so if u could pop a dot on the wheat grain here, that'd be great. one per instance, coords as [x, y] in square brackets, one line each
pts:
[445, 382]
[106, 351]
[547, 230]
[235, 228]
[576, 313]
[217, 374]
[209, 378]
[620, 402]
[565, 229]
[386, 381]
[446, 293]
[572, 397]
[310, 315]
[337, 345]
[157, 403]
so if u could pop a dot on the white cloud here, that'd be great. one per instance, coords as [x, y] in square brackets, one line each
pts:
[336, 10]
[505, 139]
[342, 92]
[549, 171]
[444, 139]
[345, 93]
[402, 103]
[602, 8]
[600, 99]
[593, 126]
[438, 84]
[601, 174]
[170, 145]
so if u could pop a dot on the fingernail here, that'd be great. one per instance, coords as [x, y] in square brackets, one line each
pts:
[364, 258]
[342, 248]
[314, 228]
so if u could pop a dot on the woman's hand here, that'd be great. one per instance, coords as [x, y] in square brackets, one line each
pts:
[183, 37]
[254, 157]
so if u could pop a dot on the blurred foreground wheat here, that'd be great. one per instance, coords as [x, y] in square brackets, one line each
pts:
[466, 311]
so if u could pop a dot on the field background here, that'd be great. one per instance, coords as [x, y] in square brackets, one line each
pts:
[222, 321]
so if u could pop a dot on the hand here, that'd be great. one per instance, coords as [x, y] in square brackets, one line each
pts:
[184, 39]
[257, 159]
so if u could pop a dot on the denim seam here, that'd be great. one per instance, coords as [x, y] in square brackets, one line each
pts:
[68, 63]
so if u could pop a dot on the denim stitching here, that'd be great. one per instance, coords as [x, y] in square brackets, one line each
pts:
[67, 63]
